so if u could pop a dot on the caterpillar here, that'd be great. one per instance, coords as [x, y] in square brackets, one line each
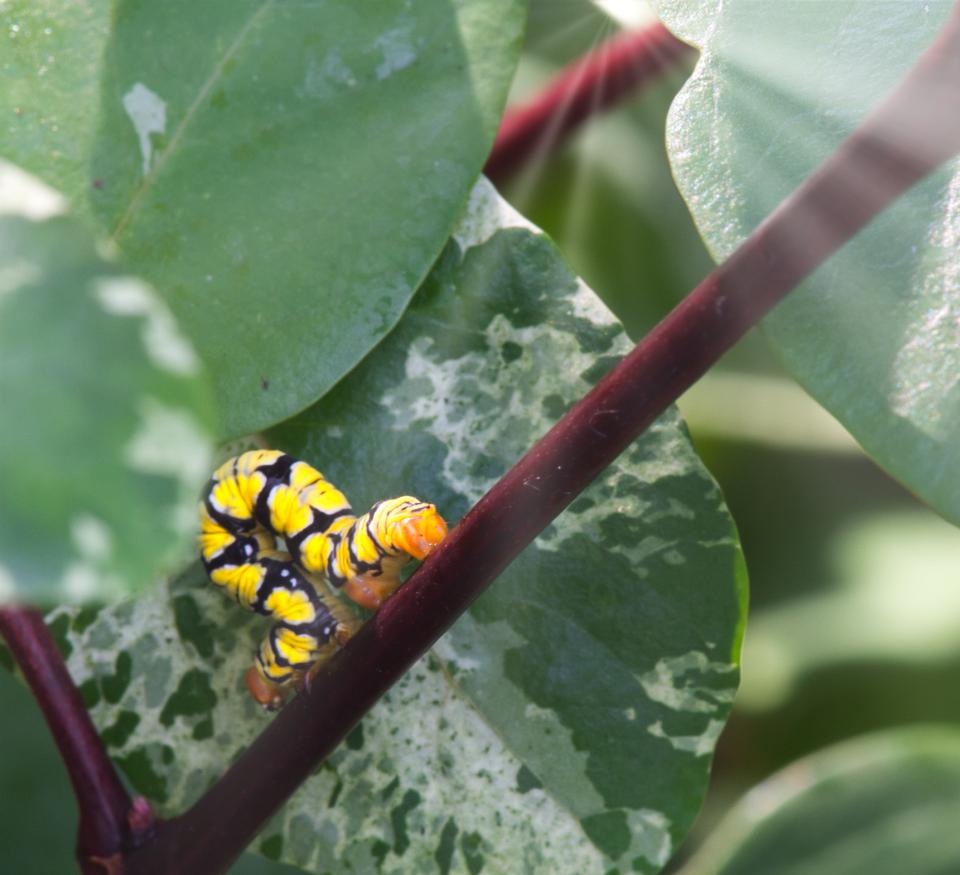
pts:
[274, 533]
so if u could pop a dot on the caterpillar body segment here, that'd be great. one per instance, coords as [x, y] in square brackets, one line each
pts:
[273, 531]
[373, 549]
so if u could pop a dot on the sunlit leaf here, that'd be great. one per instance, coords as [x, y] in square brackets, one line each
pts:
[284, 173]
[627, 13]
[873, 335]
[566, 723]
[106, 433]
[879, 805]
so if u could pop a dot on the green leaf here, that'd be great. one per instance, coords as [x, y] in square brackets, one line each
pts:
[106, 434]
[873, 334]
[897, 605]
[284, 173]
[879, 805]
[565, 724]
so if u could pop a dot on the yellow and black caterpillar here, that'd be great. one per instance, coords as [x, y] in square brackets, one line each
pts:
[270, 525]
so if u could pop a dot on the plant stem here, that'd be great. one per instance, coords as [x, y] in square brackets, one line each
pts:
[915, 129]
[101, 798]
[590, 85]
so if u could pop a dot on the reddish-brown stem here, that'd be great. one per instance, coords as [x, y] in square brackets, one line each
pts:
[915, 130]
[613, 71]
[103, 802]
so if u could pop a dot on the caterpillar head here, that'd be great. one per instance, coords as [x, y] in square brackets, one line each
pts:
[418, 533]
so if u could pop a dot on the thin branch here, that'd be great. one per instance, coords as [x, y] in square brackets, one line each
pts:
[915, 130]
[610, 73]
[103, 802]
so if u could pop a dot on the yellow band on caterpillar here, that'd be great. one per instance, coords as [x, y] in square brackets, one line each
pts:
[268, 523]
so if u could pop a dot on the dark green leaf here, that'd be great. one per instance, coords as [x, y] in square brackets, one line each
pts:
[873, 334]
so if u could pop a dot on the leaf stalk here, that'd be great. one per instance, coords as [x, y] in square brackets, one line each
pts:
[102, 800]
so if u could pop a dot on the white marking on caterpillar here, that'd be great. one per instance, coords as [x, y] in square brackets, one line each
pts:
[148, 114]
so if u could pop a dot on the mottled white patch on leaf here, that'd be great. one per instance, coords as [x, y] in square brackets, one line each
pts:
[487, 645]
[148, 114]
[24, 195]
[677, 682]
[588, 305]
[166, 347]
[325, 78]
[455, 383]
[650, 836]
[533, 712]
[439, 389]
[398, 49]
[89, 575]
[411, 744]
[79, 581]
[17, 274]
[425, 741]
[699, 745]
[485, 214]
[91, 537]
[85, 580]
[171, 442]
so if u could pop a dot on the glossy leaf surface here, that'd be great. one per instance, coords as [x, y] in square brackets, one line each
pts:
[283, 173]
[873, 335]
[566, 722]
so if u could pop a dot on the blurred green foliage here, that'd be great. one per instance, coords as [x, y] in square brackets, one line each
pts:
[813, 523]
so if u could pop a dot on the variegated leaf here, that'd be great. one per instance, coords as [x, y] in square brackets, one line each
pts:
[566, 723]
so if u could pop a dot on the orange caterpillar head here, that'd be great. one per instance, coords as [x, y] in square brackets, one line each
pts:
[416, 534]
